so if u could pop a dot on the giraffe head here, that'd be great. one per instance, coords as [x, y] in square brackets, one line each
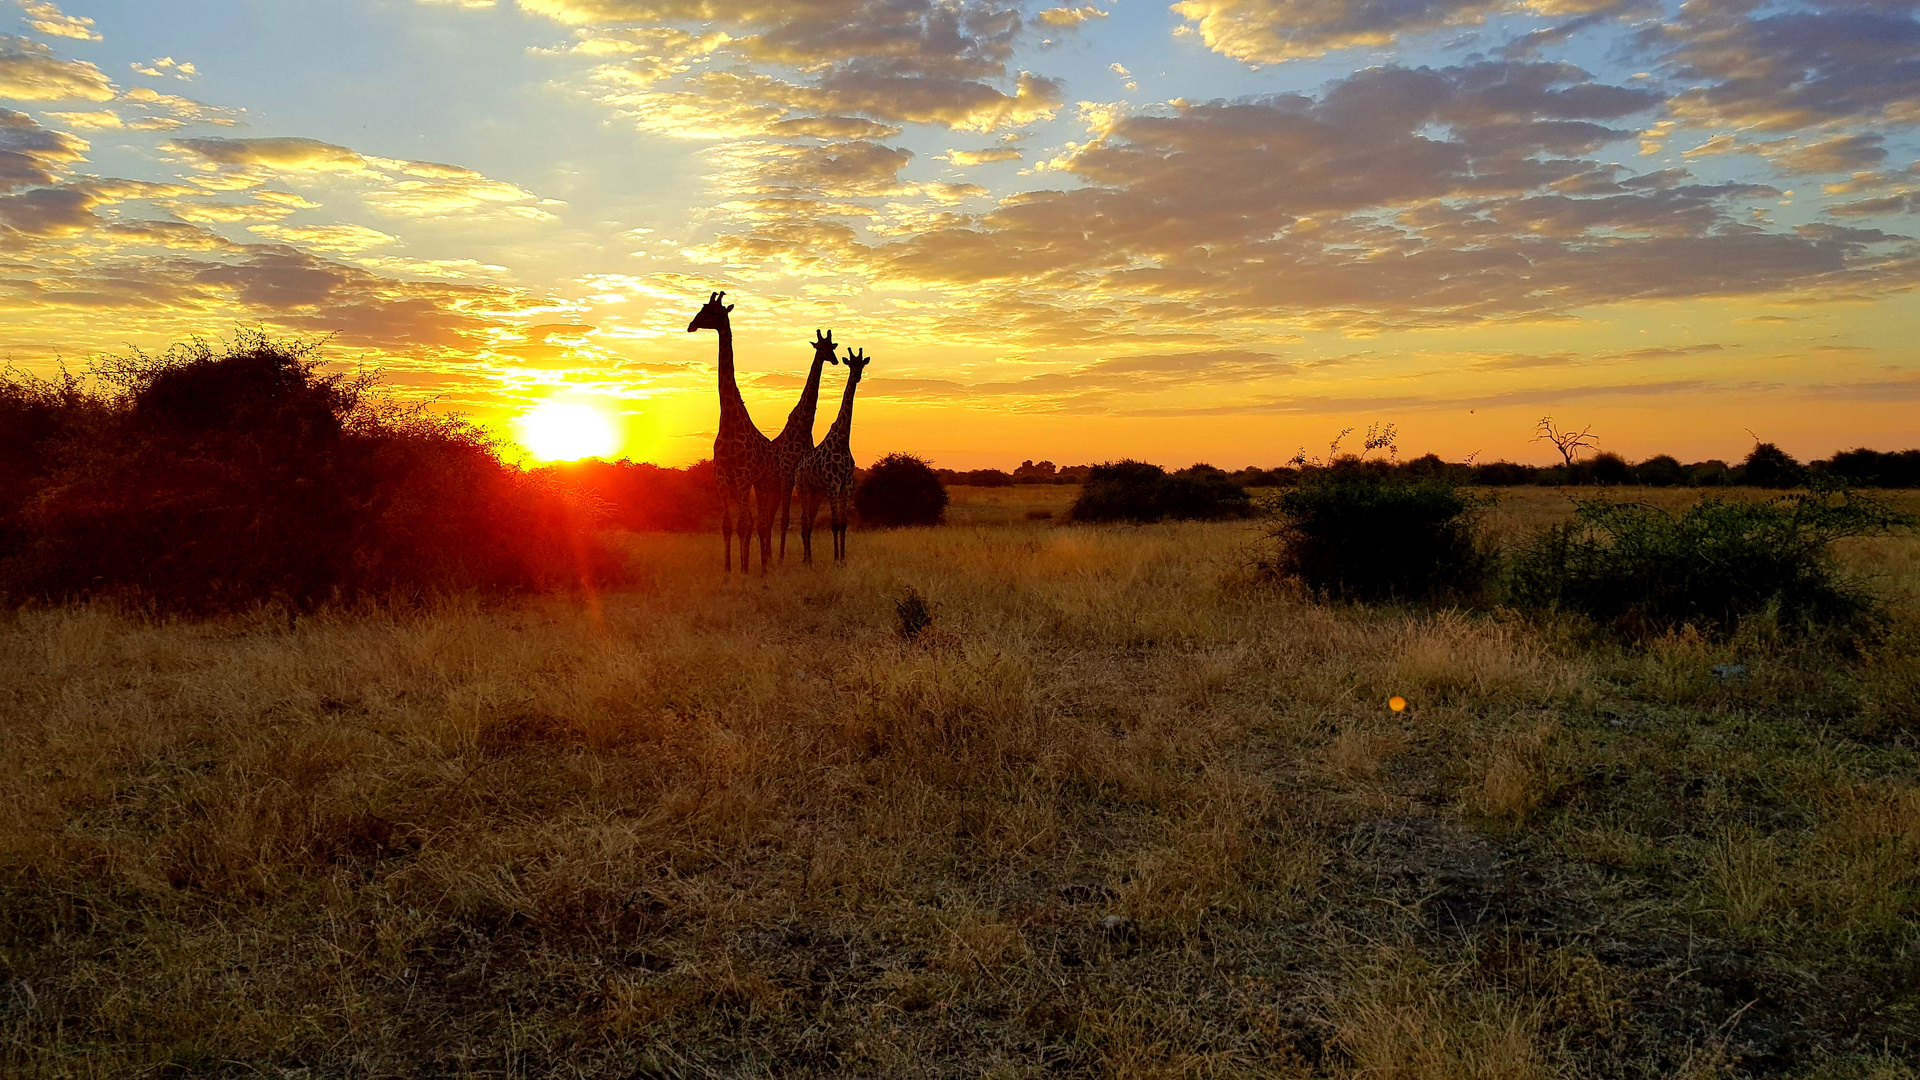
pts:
[857, 361]
[713, 316]
[823, 344]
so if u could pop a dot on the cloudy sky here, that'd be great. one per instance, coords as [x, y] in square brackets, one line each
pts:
[1213, 231]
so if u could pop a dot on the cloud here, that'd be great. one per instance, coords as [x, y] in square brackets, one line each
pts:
[31, 155]
[47, 18]
[1796, 155]
[1902, 203]
[164, 66]
[1274, 31]
[889, 61]
[1791, 69]
[342, 238]
[47, 212]
[1398, 198]
[30, 72]
[1066, 18]
[405, 188]
[966, 158]
[280, 154]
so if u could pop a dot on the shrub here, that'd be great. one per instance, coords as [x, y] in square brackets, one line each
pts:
[1661, 470]
[1871, 468]
[1504, 474]
[202, 480]
[1710, 473]
[37, 419]
[1769, 466]
[1136, 491]
[1607, 469]
[1357, 535]
[1640, 568]
[901, 490]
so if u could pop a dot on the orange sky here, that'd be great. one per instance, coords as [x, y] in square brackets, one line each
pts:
[1217, 232]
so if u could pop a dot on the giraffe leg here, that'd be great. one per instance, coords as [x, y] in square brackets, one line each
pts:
[743, 527]
[809, 511]
[839, 512]
[764, 517]
[786, 514]
[764, 521]
[726, 527]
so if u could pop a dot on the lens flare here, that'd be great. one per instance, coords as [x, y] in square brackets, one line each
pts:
[567, 431]
[1397, 703]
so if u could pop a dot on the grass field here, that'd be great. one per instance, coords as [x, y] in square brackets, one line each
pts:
[1122, 811]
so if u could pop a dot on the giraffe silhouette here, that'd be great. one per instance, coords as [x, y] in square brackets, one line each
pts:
[826, 472]
[742, 457]
[795, 440]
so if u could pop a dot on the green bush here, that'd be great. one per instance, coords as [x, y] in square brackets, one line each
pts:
[901, 490]
[1363, 535]
[1642, 569]
[1136, 491]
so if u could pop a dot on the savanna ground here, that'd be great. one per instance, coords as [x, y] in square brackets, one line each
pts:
[1121, 811]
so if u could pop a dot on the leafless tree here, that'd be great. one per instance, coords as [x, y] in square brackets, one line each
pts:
[1569, 443]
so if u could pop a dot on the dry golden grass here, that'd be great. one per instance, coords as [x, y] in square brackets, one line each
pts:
[1120, 813]
[1034, 504]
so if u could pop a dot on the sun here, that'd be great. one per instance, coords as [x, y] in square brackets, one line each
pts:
[567, 431]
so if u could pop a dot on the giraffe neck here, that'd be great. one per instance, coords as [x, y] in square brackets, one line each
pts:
[800, 420]
[732, 406]
[843, 423]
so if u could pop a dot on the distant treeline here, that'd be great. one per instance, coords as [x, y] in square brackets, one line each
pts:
[1766, 466]
[642, 496]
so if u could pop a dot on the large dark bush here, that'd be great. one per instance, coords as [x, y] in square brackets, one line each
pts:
[1607, 469]
[1873, 468]
[1641, 568]
[1660, 470]
[207, 479]
[1768, 466]
[901, 490]
[38, 418]
[1360, 535]
[1137, 491]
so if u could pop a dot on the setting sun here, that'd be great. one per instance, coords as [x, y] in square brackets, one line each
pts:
[567, 431]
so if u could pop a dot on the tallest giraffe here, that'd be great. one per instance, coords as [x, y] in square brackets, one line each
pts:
[742, 457]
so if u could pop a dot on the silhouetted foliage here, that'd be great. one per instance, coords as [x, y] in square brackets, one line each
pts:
[207, 479]
[1661, 470]
[37, 418]
[914, 613]
[1710, 473]
[1367, 534]
[1136, 491]
[1641, 568]
[1028, 472]
[1872, 468]
[901, 490]
[1769, 466]
[1605, 468]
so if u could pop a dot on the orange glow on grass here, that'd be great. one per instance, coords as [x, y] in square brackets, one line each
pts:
[567, 431]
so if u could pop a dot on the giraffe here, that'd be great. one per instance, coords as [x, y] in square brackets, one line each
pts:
[742, 457]
[826, 472]
[795, 440]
